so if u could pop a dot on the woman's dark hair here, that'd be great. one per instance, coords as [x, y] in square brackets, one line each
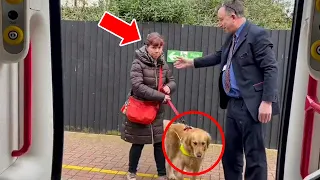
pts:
[154, 39]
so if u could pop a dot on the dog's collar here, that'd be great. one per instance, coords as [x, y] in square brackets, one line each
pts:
[187, 128]
[184, 151]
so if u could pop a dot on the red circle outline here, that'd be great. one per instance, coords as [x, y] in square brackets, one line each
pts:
[222, 139]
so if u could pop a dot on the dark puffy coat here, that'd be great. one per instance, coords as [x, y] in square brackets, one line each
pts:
[144, 76]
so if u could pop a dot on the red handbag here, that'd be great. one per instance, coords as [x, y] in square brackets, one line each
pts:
[142, 112]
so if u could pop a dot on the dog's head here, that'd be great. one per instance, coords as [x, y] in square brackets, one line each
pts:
[197, 142]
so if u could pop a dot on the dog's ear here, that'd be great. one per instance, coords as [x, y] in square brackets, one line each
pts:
[208, 140]
[187, 142]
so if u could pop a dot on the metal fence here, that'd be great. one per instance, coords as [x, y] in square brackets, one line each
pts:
[96, 76]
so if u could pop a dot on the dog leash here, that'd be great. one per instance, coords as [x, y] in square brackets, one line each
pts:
[174, 110]
[177, 113]
[181, 147]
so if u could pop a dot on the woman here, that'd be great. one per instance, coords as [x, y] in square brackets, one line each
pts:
[144, 79]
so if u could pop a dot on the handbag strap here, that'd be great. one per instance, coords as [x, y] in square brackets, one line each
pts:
[160, 79]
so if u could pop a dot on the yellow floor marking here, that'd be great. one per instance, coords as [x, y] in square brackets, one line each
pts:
[105, 171]
[108, 171]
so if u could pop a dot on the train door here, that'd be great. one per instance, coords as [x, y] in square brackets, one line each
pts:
[299, 154]
[31, 108]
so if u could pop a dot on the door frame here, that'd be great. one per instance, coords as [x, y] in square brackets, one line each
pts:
[288, 88]
[57, 88]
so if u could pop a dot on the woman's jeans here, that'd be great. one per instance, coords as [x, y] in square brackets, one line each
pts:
[135, 153]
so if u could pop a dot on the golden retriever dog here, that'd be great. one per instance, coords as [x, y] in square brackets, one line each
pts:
[185, 149]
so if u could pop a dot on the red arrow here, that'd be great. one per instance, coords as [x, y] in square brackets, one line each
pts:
[129, 33]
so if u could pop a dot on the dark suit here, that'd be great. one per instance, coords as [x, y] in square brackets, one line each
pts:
[255, 69]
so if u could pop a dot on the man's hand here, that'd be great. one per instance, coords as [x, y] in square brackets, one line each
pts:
[182, 63]
[265, 112]
[166, 89]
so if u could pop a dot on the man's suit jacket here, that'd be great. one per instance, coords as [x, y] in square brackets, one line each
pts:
[254, 65]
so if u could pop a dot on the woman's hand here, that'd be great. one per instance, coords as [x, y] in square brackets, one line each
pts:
[166, 98]
[166, 89]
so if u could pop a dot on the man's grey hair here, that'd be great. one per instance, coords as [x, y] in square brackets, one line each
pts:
[234, 6]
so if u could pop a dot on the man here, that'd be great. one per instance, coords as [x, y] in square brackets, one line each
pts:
[248, 89]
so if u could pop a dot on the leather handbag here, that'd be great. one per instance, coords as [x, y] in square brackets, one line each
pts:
[142, 112]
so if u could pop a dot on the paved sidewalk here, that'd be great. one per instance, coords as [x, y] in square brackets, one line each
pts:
[96, 157]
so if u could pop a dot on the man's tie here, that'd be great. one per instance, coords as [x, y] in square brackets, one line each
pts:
[227, 75]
